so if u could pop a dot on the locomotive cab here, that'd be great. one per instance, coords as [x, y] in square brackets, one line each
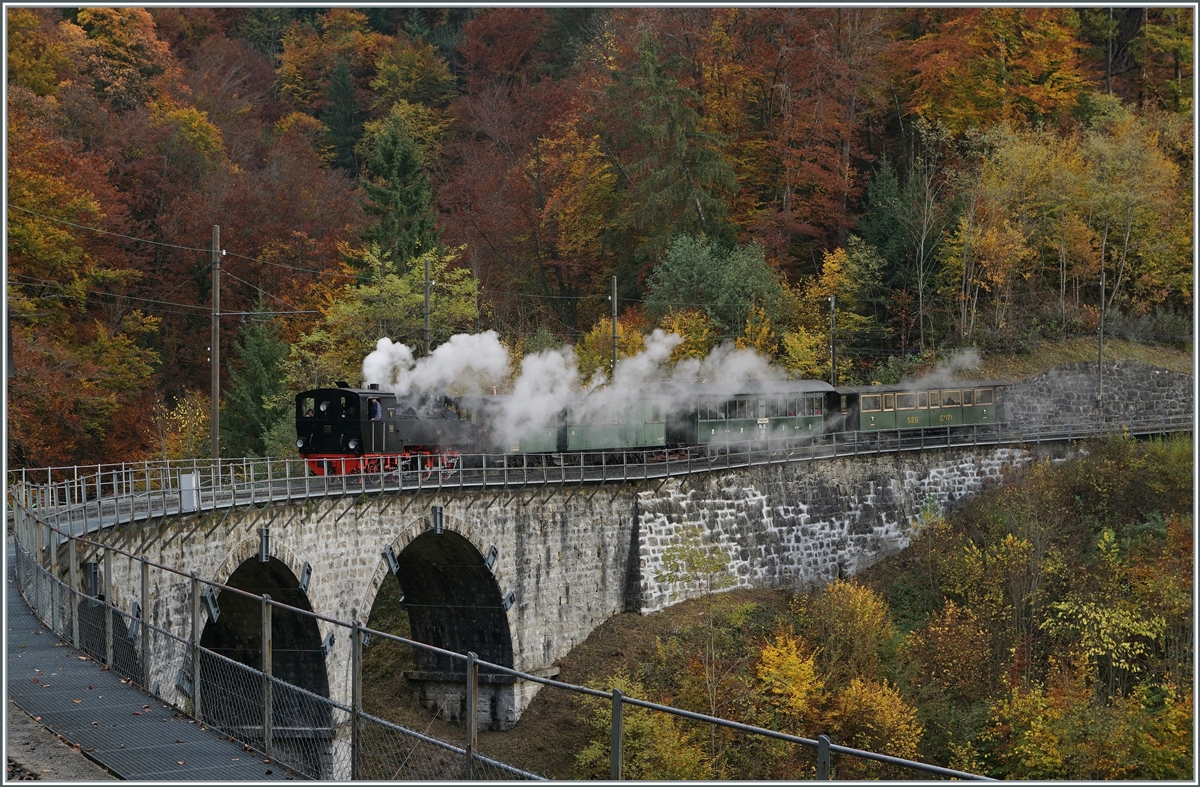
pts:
[334, 426]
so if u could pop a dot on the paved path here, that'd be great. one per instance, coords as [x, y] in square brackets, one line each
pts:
[126, 730]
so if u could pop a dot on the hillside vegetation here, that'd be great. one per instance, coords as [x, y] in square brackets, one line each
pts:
[1042, 631]
[749, 175]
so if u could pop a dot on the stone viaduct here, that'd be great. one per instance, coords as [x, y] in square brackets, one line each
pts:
[521, 575]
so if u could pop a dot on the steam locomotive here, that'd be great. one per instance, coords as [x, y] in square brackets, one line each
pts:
[345, 430]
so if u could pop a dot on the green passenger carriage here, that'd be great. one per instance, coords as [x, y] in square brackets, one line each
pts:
[921, 405]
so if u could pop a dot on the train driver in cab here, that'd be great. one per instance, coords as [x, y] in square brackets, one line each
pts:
[374, 409]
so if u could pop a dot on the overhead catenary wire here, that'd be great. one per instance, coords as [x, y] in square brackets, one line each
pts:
[152, 301]
[176, 245]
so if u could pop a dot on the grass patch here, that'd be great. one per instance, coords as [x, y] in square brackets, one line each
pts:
[1015, 366]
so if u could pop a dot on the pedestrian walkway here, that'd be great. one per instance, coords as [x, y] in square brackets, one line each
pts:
[118, 725]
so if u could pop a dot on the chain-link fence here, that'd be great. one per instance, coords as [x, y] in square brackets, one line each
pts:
[234, 686]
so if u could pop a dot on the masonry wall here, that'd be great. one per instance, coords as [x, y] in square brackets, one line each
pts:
[805, 524]
[1132, 391]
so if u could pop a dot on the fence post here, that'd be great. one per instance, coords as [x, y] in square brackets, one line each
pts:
[823, 758]
[72, 569]
[108, 608]
[472, 712]
[355, 700]
[196, 701]
[616, 735]
[267, 668]
[144, 626]
[55, 595]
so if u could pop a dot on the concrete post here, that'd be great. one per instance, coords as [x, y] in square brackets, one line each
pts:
[73, 568]
[355, 700]
[144, 627]
[108, 608]
[55, 595]
[823, 758]
[266, 673]
[196, 699]
[472, 712]
[616, 764]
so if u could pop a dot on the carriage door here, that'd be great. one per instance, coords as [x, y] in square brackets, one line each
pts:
[763, 421]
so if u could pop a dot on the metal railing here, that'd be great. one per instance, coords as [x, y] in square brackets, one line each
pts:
[85, 498]
[312, 734]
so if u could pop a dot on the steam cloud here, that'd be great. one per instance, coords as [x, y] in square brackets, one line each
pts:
[468, 363]
[549, 381]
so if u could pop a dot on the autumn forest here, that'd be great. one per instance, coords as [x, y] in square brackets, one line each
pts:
[985, 177]
[998, 179]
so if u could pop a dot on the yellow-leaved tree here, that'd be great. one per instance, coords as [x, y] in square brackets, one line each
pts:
[695, 328]
[593, 353]
[872, 715]
[654, 745]
[848, 623]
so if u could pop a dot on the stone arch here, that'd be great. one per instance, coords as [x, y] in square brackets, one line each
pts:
[247, 549]
[231, 694]
[453, 600]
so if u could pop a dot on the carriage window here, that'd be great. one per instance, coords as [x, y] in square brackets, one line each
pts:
[935, 399]
[888, 401]
[906, 401]
[870, 404]
[655, 414]
[616, 415]
[816, 406]
[983, 396]
[951, 398]
[967, 397]
[922, 401]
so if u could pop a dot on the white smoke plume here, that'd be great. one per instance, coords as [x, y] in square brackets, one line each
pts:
[468, 363]
[549, 381]
[382, 364]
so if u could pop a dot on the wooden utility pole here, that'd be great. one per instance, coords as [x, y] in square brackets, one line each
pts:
[426, 304]
[1100, 353]
[614, 326]
[833, 340]
[214, 351]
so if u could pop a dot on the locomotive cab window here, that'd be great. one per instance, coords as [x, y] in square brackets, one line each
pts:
[307, 407]
[983, 396]
[906, 401]
[870, 404]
